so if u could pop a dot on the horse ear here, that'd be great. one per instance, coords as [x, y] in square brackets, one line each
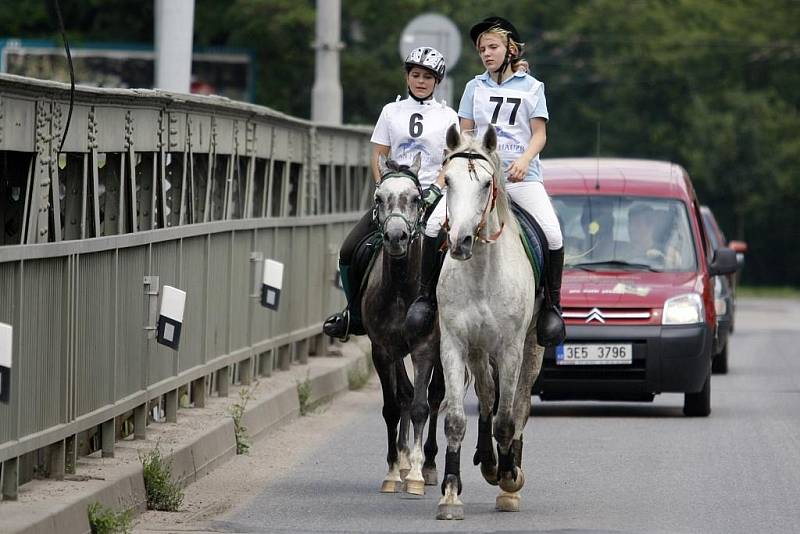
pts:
[416, 164]
[490, 139]
[453, 137]
[382, 167]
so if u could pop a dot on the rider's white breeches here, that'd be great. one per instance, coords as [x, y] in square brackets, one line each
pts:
[533, 198]
[436, 220]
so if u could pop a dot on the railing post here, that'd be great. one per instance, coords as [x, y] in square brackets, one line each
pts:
[140, 422]
[171, 406]
[223, 381]
[246, 371]
[301, 351]
[107, 436]
[319, 345]
[266, 363]
[70, 454]
[199, 392]
[10, 479]
[285, 357]
[57, 460]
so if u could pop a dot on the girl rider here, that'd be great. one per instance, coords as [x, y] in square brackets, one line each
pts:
[405, 128]
[514, 102]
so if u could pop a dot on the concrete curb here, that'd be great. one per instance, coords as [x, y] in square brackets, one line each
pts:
[124, 487]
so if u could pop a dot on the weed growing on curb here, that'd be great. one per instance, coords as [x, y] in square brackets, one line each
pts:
[162, 493]
[237, 413]
[103, 520]
[359, 375]
[304, 395]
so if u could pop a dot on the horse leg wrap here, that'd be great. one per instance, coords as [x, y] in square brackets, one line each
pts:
[506, 462]
[452, 469]
[516, 451]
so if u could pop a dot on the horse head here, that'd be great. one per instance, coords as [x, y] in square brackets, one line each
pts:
[473, 175]
[398, 204]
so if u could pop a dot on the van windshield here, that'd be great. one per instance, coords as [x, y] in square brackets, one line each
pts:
[625, 233]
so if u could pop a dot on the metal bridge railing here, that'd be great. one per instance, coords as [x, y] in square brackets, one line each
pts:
[192, 190]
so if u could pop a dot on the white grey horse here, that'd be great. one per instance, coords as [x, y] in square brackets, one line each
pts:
[487, 317]
[391, 288]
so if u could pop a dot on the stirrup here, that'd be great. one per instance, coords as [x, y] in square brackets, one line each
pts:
[550, 329]
[338, 326]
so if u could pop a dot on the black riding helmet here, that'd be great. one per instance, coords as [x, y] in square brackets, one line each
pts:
[493, 22]
[500, 23]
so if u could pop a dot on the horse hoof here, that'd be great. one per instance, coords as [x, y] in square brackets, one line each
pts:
[489, 473]
[507, 502]
[404, 473]
[508, 484]
[430, 476]
[450, 512]
[415, 487]
[391, 486]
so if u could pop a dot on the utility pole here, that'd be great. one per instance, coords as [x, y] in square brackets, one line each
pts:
[173, 39]
[326, 95]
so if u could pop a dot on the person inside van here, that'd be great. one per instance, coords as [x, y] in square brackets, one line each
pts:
[649, 231]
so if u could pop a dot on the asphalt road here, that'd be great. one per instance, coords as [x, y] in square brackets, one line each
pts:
[590, 467]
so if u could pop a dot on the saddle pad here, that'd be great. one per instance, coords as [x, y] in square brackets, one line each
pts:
[365, 252]
[533, 240]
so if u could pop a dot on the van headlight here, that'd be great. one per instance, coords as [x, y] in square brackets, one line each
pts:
[683, 309]
[720, 306]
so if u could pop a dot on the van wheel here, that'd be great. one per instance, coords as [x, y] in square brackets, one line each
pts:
[720, 363]
[698, 404]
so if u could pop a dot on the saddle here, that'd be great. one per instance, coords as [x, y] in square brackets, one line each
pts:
[533, 239]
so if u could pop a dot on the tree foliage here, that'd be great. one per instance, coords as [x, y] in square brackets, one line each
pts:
[713, 85]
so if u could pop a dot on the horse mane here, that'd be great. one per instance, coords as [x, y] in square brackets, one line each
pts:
[504, 213]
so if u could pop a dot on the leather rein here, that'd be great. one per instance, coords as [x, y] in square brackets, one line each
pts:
[490, 201]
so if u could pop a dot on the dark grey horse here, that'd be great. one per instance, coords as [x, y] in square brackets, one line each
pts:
[390, 290]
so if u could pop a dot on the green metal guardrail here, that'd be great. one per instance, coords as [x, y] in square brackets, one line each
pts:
[191, 190]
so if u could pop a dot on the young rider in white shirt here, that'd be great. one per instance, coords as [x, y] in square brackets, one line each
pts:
[414, 125]
[514, 102]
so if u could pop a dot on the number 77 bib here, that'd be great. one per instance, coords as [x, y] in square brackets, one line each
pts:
[509, 111]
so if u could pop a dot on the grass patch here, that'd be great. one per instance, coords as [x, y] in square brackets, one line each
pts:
[162, 493]
[237, 413]
[359, 375]
[103, 520]
[784, 292]
[304, 395]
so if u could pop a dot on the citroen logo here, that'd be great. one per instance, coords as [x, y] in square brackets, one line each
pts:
[595, 315]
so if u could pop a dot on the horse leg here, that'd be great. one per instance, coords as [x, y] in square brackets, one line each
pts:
[405, 395]
[391, 415]
[423, 367]
[509, 367]
[435, 396]
[450, 505]
[486, 389]
[508, 501]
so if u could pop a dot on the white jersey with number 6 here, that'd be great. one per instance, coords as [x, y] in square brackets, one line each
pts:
[409, 127]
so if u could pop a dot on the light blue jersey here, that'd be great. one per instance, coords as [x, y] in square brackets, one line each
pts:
[510, 108]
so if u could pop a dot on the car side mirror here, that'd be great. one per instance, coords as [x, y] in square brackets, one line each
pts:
[740, 247]
[724, 262]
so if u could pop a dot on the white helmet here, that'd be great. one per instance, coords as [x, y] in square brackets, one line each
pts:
[427, 58]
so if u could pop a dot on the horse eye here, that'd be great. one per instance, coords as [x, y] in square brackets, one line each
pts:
[486, 185]
[446, 180]
[378, 200]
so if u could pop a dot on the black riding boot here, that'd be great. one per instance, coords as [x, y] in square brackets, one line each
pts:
[550, 328]
[342, 324]
[421, 313]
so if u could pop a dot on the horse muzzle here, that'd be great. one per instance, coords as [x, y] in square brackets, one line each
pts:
[461, 248]
[395, 242]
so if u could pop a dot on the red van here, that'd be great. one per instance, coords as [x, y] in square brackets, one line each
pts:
[637, 293]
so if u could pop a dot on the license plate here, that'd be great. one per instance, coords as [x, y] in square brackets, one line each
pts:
[594, 354]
